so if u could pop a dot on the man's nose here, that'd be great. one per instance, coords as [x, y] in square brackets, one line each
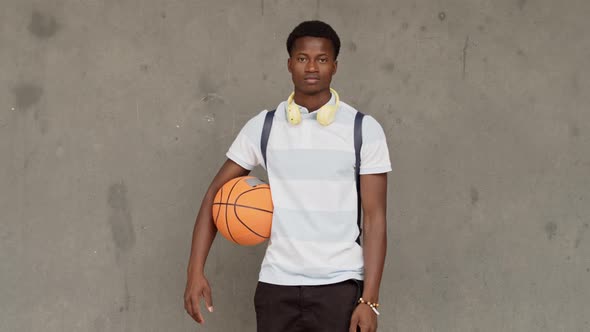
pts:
[311, 66]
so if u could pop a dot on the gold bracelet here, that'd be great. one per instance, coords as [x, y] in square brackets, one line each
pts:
[372, 305]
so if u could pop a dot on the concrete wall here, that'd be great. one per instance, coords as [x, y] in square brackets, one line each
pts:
[115, 115]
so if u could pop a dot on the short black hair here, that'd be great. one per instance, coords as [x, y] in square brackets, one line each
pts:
[314, 29]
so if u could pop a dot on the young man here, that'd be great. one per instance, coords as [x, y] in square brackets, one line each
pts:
[314, 270]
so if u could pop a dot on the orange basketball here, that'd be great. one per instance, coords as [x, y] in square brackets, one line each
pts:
[242, 210]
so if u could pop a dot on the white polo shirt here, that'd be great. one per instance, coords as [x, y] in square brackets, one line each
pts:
[311, 176]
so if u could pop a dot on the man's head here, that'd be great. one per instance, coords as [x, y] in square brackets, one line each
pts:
[313, 48]
[317, 29]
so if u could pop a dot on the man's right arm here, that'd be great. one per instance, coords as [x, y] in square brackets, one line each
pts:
[197, 286]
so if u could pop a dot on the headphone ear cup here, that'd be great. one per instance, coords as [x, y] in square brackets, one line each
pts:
[327, 114]
[293, 114]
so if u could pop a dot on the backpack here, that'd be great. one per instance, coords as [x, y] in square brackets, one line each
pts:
[358, 142]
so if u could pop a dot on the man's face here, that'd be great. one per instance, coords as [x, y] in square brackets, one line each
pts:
[312, 64]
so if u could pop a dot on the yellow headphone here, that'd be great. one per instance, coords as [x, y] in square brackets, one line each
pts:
[326, 114]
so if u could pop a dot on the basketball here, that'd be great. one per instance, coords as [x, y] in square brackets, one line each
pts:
[242, 210]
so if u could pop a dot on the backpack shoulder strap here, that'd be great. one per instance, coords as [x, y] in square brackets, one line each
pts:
[265, 134]
[358, 142]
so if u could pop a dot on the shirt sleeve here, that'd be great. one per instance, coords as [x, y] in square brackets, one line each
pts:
[374, 151]
[245, 150]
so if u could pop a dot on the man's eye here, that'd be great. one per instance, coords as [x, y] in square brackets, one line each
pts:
[323, 60]
[301, 59]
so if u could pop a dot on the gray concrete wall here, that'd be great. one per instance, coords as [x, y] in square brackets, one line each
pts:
[115, 115]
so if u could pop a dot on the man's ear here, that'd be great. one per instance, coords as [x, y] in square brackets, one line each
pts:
[335, 67]
[289, 64]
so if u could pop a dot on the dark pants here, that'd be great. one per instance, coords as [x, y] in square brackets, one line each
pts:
[325, 308]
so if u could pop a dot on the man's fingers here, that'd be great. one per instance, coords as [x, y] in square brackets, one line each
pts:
[354, 322]
[188, 306]
[208, 299]
[196, 313]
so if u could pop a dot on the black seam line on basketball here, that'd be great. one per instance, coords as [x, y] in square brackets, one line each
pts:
[244, 206]
[226, 220]
[250, 229]
[247, 191]
[236, 212]
[219, 210]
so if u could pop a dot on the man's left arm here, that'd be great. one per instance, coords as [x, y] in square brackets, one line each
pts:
[374, 202]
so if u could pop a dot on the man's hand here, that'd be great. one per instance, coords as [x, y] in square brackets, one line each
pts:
[197, 287]
[363, 318]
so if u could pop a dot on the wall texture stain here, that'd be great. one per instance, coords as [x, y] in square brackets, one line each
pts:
[474, 195]
[126, 297]
[389, 67]
[207, 85]
[574, 131]
[464, 57]
[120, 219]
[580, 235]
[43, 25]
[551, 230]
[27, 95]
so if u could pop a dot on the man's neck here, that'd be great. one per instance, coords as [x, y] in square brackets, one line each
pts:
[312, 102]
